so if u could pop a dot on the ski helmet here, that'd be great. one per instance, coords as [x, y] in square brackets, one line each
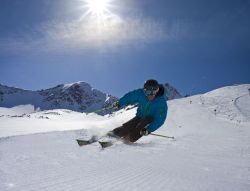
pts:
[150, 87]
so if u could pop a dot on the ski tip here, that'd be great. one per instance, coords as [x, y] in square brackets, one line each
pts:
[105, 144]
[82, 142]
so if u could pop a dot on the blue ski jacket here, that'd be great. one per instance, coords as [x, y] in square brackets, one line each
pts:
[156, 109]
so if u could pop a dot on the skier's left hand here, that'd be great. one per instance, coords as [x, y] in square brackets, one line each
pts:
[144, 132]
[116, 105]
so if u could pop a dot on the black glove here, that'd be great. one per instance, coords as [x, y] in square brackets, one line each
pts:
[144, 132]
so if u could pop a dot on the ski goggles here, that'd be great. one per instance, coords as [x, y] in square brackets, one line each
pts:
[150, 92]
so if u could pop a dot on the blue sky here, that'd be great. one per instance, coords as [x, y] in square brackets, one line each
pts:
[196, 46]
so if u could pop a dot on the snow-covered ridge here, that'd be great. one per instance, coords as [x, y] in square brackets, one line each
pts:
[231, 102]
[78, 96]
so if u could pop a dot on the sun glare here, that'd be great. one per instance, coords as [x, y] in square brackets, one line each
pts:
[97, 7]
[99, 20]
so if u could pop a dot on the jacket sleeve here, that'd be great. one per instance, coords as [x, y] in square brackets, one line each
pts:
[159, 118]
[130, 98]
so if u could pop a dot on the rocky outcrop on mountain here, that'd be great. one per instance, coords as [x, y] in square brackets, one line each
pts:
[172, 92]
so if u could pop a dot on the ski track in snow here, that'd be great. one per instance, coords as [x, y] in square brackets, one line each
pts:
[211, 152]
[242, 103]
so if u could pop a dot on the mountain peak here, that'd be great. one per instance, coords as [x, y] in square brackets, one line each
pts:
[172, 92]
[79, 83]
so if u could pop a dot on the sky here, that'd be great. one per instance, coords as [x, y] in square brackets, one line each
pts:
[116, 45]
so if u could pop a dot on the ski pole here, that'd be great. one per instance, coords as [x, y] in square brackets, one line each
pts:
[98, 110]
[165, 136]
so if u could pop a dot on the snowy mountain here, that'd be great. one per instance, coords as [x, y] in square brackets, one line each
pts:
[172, 92]
[78, 96]
[211, 150]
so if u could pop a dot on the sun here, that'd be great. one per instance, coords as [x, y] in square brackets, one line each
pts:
[97, 7]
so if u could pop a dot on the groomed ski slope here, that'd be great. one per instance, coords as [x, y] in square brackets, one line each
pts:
[211, 151]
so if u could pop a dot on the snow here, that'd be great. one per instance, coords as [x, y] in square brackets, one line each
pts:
[211, 151]
[17, 110]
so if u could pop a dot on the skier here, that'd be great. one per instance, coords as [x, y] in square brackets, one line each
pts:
[151, 112]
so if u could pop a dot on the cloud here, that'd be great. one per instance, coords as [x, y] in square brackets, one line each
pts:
[114, 32]
[85, 34]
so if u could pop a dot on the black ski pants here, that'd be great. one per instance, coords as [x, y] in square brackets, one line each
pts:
[130, 131]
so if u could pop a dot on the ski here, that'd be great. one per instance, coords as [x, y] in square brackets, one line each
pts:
[105, 144]
[82, 142]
